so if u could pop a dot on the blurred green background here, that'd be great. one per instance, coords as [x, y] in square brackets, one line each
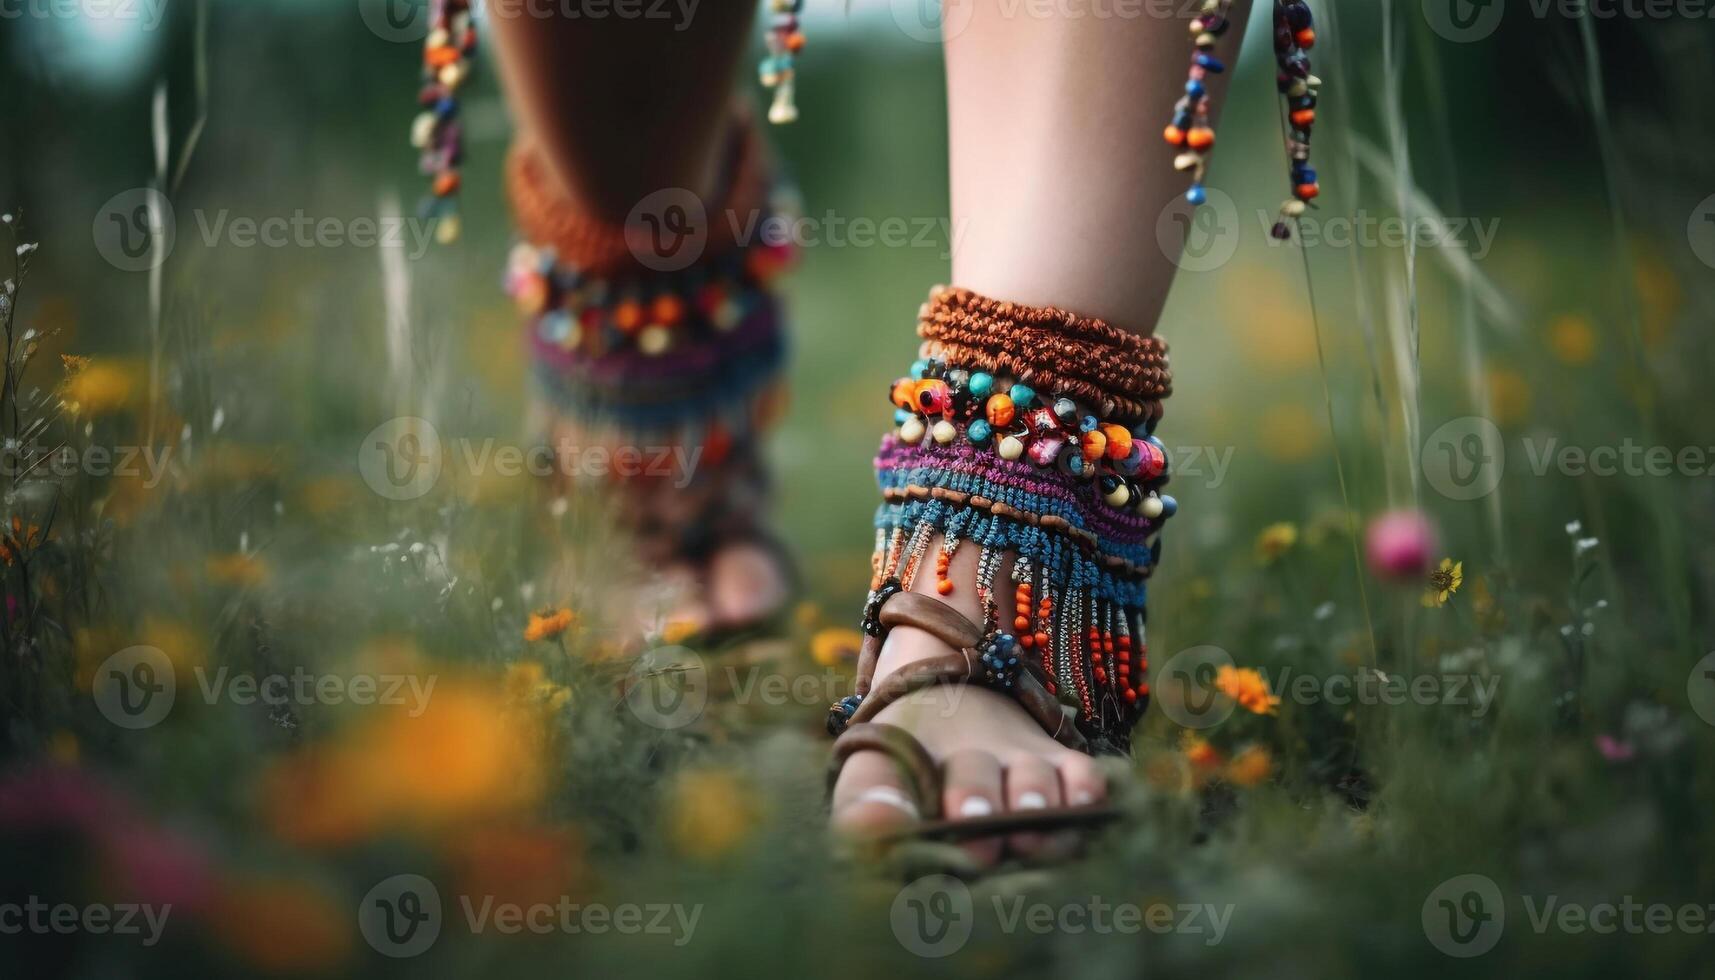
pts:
[1565, 300]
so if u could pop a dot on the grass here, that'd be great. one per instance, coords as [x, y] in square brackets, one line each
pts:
[1323, 829]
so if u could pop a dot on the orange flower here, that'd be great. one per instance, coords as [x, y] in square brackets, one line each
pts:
[282, 926]
[548, 623]
[1248, 687]
[1250, 766]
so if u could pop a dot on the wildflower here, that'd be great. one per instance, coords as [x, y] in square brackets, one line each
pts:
[1399, 544]
[1443, 582]
[1572, 339]
[1276, 540]
[709, 813]
[548, 623]
[1199, 752]
[19, 541]
[1509, 396]
[527, 683]
[1248, 687]
[677, 631]
[97, 387]
[834, 644]
[1250, 766]
[73, 363]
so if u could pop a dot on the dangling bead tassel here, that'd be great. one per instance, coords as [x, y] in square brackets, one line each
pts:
[1189, 129]
[778, 70]
[447, 54]
[1294, 36]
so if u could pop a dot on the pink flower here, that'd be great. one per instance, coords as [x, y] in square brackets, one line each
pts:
[1400, 545]
[1613, 749]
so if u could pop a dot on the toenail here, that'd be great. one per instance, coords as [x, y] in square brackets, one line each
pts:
[888, 796]
[1031, 801]
[976, 806]
[1083, 797]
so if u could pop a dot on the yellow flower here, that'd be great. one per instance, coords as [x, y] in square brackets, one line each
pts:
[527, 683]
[1509, 396]
[677, 631]
[1572, 339]
[709, 813]
[1248, 687]
[1250, 766]
[548, 623]
[834, 644]
[1276, 540]
[96, 387]
[1443, 582]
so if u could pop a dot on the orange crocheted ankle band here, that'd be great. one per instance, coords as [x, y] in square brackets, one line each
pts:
[1123, 375]
[547, 218]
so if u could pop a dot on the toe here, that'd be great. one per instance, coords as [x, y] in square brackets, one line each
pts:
[872, 798]
[1032, 783]
[972, 780]
[1082, 780]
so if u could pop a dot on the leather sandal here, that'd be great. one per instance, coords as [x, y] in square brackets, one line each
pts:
[989, 661]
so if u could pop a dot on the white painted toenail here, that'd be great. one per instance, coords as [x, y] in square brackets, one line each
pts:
[888, 796]
[976, 806]
[1031, 801]
[1083, 797]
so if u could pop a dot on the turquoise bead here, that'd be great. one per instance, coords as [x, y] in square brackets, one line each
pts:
[979, 431]
[919, 368]
[981, 384]
[900, 415]
[1022, 396]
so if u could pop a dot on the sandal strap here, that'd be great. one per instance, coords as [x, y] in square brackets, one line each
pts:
[902, 747]
[965, 665]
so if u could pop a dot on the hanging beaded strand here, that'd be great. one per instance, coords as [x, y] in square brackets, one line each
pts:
[777, 70]
[1190, 130]
[1294, 36]
[447, 54]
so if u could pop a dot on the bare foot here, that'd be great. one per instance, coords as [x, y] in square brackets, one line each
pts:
[994, 757]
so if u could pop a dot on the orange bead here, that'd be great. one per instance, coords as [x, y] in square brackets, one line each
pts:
[1174, 135]
[905, 393]
[1305, 192]
[1021, 624]
[945, 586]
[1200, 138]
[1303, 117]
[446, 183]
[1000, 412]
[667, 309]
[1095, 445]
[1026, 641]
[1042, 639]
[795, 42]
[628, 315]
[1306, 38]
[442, 56]
[1119, 440]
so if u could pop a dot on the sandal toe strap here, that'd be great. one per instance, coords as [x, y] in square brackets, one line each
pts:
[914, 761]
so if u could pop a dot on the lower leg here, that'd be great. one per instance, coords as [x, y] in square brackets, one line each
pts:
[1058, 174]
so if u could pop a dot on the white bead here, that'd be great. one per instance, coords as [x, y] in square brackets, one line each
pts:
[783, 110]
[1151, 507]
[438, 38]
[653, 339]
[1120, 497]
[945, 432]
[451, 75]
[1294, 208]
[1185, 161]
[911, 431]
[1011, 447]
[422, 130]
[448, 229]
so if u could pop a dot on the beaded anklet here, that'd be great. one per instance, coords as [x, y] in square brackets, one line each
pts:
[688, 358]
[447, 54]
[1030, 432]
